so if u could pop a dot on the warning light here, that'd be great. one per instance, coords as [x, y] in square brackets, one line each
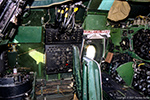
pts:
[66, 64]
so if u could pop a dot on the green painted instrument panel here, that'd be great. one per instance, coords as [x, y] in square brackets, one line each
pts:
[95, 22]
[28, 34]
[126, 72]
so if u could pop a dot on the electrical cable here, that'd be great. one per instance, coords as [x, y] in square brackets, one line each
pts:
[48, 19]
[66, 14]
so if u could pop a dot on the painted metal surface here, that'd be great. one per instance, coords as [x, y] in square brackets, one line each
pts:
[47, 3]
[116, 36]
[28, 34]
[106, 5]
[126, 72]
[95, 22]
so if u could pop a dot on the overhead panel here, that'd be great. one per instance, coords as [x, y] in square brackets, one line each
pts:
[106, 5]
[94, 4]
[47, 3]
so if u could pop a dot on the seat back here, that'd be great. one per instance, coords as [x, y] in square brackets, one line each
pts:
[88, 78]
[92, 81]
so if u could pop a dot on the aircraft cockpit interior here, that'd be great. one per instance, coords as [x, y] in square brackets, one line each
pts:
[74, 49]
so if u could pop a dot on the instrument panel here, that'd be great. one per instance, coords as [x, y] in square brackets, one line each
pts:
[54, 36]
[59, 58]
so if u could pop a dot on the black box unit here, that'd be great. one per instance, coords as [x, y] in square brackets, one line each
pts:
[59, 58]
[54, 36]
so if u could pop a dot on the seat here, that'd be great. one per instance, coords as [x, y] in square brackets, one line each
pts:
[87, 78]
